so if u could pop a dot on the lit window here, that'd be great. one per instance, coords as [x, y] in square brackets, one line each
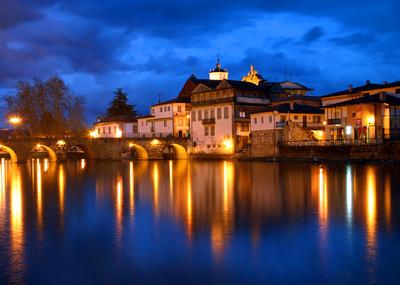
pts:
[242, 114]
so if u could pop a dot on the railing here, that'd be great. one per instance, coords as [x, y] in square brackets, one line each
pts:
[210, 121]
[149, 135]
[335, 121]
[332, 142]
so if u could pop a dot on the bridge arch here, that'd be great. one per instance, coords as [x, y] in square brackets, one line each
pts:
[179, 151]
[140, 151]
[11, 152]
[52, 154]
[76, 148]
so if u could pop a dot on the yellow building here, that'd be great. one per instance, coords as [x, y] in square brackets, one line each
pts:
[360, 114]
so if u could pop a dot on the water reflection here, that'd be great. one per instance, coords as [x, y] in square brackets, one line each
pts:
[16, 226]
[224, 210]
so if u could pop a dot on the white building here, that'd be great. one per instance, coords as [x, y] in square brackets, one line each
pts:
[220, 113]
[169, 118]
[115, 127]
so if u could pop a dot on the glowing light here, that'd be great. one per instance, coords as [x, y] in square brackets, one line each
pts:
[324, 123]
[228, 144]
[38, 146]
[131, 145]
[15, 120]
[155, 142]
[371, 120]
[349, 130]
[61, 143]
[93, 134]
[118, 133]
[46, 165]
[83, 164]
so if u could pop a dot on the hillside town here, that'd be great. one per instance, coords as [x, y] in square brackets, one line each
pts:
[221, 116]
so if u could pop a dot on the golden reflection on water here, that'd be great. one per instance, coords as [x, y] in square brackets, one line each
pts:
[189, 207]
[349, 195]
[388, 200]
[2, 194]
[39, 192]
[156, 182]
[131, 189]
[323, 204]
[16, 223]
[61, 188]
[119, 208]
[370, 209]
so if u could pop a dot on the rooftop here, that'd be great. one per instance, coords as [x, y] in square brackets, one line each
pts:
[368, 86]
[382, 97]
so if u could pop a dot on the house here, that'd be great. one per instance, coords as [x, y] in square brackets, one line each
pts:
[220, 113]
[367, 112]
[301, 123]
[115, 127]
[168, 118]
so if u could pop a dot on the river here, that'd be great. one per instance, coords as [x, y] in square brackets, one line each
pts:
[198, 222]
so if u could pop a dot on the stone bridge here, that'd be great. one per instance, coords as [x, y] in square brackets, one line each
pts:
[59, 149]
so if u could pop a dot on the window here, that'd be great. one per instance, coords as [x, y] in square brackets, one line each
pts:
[109, 130]
[255, 120]
[226, 112]
[242, 114]
[212, 131]
[317, 119]
[179, 108]
[169, 108]
[212, 114]
[115, 130]
[165, 109]
[218, 113]
[104, 131]
[152, 111]
[199, 115]
[242, 127]
[160, 109]
[193, 116]
[353, 114]
[206, 131]
[98, 131]
[270, 119]
[206, 114]
[143, 123]
[247, 127]
[296, 117]
[165, 124]
[262, 120]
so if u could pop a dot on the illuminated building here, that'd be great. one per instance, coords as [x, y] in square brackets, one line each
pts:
[371, 111]
[169, 118]
[115, 127]
[220, 114]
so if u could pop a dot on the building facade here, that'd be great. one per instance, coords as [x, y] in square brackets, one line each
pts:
[169, 118]
[220, 115]
[115, 127]
[366, 113]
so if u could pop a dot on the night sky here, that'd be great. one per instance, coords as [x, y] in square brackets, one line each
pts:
[152, 47]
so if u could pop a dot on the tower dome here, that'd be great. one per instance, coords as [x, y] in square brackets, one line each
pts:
[218, 73]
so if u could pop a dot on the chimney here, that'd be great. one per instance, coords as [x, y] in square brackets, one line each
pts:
[291, 106]
[350, 88]
[368, 82]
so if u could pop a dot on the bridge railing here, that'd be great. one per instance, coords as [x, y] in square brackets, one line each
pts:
[332, 142]
[151, 135]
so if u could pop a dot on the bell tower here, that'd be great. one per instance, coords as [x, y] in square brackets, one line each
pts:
[218, 73]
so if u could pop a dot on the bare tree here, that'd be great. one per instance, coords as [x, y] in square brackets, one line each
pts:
[48, 108]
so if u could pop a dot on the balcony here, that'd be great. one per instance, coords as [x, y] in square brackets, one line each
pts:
[210, 121]
[335, 121]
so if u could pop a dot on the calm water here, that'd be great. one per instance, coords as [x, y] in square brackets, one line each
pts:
[179, 222]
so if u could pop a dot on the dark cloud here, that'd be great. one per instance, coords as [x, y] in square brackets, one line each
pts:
[151, 47]
[313, 34]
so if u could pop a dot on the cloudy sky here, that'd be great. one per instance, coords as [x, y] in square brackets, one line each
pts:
[152, 47]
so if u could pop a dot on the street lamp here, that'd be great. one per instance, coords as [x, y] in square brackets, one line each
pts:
[15, 121]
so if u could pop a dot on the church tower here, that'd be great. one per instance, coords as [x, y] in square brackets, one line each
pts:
[218, 73]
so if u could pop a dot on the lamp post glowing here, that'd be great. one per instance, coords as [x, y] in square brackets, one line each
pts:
[14, 121]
